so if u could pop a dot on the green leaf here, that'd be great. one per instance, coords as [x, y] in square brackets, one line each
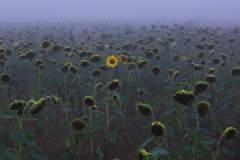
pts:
[9, 114]
[193, 114]
[68, 156]
[145, 143]
[170, 131]
[169, 111]
[18, 136]
[81, 137]
[111, 137]
[38, 155]
[237, 116]
[229, 94]
[4, 152]
[92, 136]
[100, 113]
[119, 112]
[99, 154]
[67, 109]
[185, 149]
[159, 152]
[201, 131]
[228, 152]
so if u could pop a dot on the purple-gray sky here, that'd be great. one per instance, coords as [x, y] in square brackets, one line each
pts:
[216, 11]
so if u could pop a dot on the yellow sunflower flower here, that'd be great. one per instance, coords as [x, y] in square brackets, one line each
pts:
[112, 61]
[123, 59]
[183, 58]
[68, 64]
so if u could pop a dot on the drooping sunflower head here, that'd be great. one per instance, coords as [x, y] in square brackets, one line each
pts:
[96, 72]
[54, 99]
[203, 108]
[236, 71]
[78, 124]
[5, 77]
[112, 61]
[37, 106]
[183, 97]
[89, 101]
[230, 133]
[200, 86]
[197, 67]
[156, 70]
[123, 59]
[115, 97]
[65, 69]
[143, 155]
[144, 109]
[113, 85]
[211, 78]
[158, 129]
[18, 105]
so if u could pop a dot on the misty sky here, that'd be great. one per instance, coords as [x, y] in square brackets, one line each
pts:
[219, 11]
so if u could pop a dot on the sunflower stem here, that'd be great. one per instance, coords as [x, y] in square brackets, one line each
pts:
[218, 145]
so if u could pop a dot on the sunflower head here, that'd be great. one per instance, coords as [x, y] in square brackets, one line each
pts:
[65, 69]
[123, 59]
[200, 54]
[212, 52]
[68, 64]
[5, 77]
[95, 58]
[230, 133]
[175, 57]
[142, 63]
[143, 155]
[211, 70]
[96, 72]
[45, 44]
[216, 60]
[183, 97]
[203, 108]
[73, 69]
[158, 129]
[144, 109]
[84, 63]
[18, 105]
[88, 101]
[200, 86]
[176, 74]
[113, 85]
[37, 106]
[170, 72]
[197, 67]
[54, 99]
[115, 97]
[156, 70]
[98, 85]
[140, 92]
[112, 61]
[183, 58]
[78, 124]
[94, 107]
[38, 62]
[236, 71]
[211, 78]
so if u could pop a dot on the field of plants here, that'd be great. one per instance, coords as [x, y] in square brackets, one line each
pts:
[119, 91]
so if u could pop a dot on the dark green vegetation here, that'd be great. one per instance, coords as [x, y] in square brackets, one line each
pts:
[125, 91]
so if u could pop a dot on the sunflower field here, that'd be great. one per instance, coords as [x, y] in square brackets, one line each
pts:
[119, 91]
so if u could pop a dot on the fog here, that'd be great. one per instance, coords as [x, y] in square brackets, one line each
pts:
[214, 12]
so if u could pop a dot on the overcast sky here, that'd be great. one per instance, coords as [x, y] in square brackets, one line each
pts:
[217, 11]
